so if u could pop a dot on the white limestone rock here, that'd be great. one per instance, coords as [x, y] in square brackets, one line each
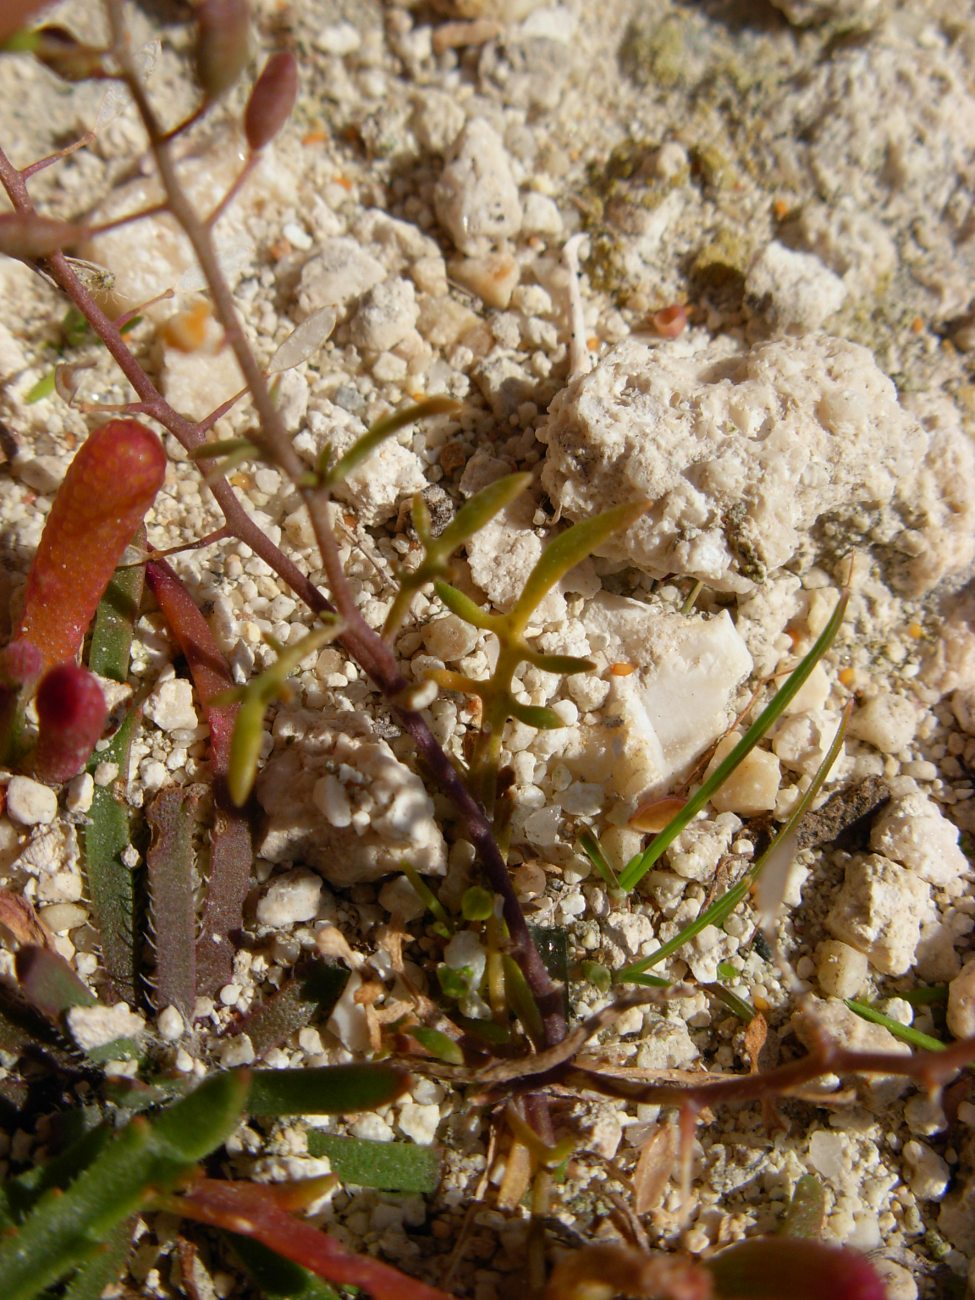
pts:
[170, 706]
[377, 486]
[794, 291]
[912, 831]
[29, 803]
[961, 1001]
[739, 454]
[879, 910]
[340, 270]
[888, 722]
[385, 316]
[290, 899]
[390, 814]
[476, 197]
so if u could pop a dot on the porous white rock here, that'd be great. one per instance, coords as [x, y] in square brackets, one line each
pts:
[928, 1175]
[476, 197]
[339, 271]
[419, 1123]
[961, 1001]
[739, 454]
[661, 716]
[97, 1026]
[696, 851]
[879, 910]
[377, 486]
[888, 722]
[804, 13]
[801, 741]
[391, 812]
[385, 315]
[911, 830]
[793, 290]
[290, 899]
[30, 803]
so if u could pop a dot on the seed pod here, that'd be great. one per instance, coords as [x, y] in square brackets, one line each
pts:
[71, 714]
[271, 100]
[108, 488]
[26, 235]
[222, 44]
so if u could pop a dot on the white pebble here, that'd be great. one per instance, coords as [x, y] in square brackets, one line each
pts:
[238, 1051]
[30, 803]
[290, 898]
[476, 197]
[840, 969]
[961, 1001]
[928, 1175]
[170, 1025]
[419, 1123]
[888, 722]
[170, 706]
[62, 917]
[81, 790]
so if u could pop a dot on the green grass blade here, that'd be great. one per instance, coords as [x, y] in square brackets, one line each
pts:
[906, 1033]
[635, 870]
[377, 434]
[390, 1166]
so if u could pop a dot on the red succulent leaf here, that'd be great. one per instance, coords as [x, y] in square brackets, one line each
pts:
[222, 44]
[271, 100]
[108, 488]
[251, 1211]
[770, 1268]
[71, 713]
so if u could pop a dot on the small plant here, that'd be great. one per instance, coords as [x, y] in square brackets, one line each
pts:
[147, 1143]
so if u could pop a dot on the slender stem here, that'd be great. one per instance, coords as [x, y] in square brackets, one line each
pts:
[373, 654]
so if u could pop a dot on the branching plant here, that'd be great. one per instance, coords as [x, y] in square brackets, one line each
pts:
[72, 1219]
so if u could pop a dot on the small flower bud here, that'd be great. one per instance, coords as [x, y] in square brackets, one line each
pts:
[271, 100]
[222, 44]
[71, 714]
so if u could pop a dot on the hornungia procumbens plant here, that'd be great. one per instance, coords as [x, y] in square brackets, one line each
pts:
[150, 1147]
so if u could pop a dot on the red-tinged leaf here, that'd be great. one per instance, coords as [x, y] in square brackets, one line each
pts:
[108, 488]
[222, 44]
[271, 100]
[49, 984]
[71, 713]
[173, 817]
[28, 236]
[20, 663]
[784, 1268]
[231, 856]
[248, 1210]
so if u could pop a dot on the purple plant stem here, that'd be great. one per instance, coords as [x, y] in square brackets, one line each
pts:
[374, 656]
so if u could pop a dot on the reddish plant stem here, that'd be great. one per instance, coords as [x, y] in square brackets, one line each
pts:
[362, 643]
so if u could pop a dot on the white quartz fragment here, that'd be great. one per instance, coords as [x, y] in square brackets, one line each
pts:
[660, 717]
[887, 722]
[30, 803]
[476, 197]
[390, 813]
[385, 315]
[961, 1002]
[170, 706]
[739, 454]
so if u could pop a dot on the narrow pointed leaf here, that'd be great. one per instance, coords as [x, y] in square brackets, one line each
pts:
[391, 1166]
[537, 716]
[569, 549]
[49, 984]
[464, 607]
[310, 994]
[174, 818]
[478, 511]
[330, 1090]
[377, 434]
[564, 665]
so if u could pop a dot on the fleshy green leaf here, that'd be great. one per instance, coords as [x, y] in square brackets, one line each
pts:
[437, 1043]
[464, 607]
[391, 1166]
[329, 1090]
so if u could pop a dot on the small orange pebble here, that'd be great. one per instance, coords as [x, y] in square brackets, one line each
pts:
[917, 325]
[760, 1003]
[655, 814]
[671, 321]
[622, 669]
[344, 181]
[316, 136]
[780, 209]
[915, 631]
[187, 330]
[592, 343]
[846, 676]
[279, 249]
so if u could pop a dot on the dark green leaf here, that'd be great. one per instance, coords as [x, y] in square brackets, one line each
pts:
[330, 1090]
[392, 1166]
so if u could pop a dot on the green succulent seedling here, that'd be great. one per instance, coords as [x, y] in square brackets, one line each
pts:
[497, 692]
